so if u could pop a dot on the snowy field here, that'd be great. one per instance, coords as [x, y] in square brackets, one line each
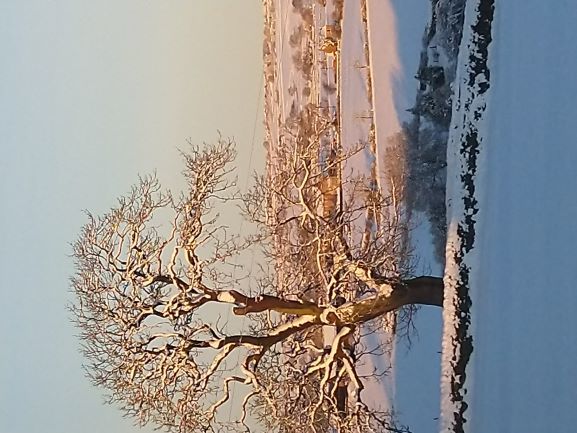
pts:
[513, 224]
[371, 95]
[510, 337]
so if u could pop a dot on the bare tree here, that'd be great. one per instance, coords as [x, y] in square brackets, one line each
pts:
[149, 272]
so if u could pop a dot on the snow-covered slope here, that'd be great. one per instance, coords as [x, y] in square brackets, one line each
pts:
[511, 261]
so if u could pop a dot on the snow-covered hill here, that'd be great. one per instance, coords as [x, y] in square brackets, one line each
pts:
[510, 343]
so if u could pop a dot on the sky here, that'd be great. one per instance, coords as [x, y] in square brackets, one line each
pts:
[93, 93]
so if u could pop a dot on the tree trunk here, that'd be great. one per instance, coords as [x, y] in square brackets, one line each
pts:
[426, 290]
[391, 296]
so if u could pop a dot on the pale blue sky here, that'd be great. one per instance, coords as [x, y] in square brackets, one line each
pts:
[91, 94]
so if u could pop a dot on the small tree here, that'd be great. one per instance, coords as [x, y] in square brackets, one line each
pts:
[148, 271]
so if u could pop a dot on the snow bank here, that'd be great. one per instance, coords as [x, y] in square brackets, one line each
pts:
[465, 153]
[511, 259]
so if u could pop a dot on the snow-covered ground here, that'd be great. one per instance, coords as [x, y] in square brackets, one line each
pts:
[411, 386]
[371, 92]
[358, 60]
[417, 362]
[513, 256]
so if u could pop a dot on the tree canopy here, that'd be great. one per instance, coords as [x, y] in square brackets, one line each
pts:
[155, 271]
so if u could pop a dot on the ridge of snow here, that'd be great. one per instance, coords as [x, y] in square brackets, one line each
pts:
[465, 151]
